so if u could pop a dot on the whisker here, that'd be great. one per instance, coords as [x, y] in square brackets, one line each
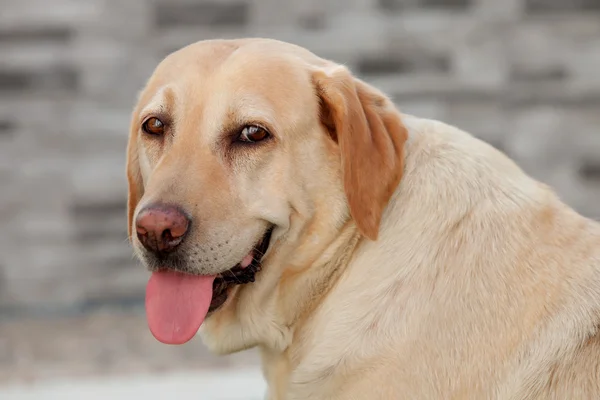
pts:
[258, 252]
[234, 276]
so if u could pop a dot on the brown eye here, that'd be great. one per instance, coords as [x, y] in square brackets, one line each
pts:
[253, 133]
[153, 126]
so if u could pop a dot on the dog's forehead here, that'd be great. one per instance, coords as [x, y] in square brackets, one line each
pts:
[249, 74]
[191, 63]
[249, 59]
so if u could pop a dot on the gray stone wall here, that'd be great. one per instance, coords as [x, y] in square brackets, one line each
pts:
[522, 74]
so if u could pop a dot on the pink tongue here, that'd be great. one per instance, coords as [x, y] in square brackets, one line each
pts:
[176, 305]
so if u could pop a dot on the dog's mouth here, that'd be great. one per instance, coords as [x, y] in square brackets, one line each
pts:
[244, 272]
[178, 303]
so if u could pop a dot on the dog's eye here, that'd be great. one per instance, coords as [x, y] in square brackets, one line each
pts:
[153, 126]
[253, 133]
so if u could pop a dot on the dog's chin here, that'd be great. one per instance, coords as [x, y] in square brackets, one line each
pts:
[225, 282]
[219, 332]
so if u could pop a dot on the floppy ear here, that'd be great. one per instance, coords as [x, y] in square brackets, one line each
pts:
[134, 180]
[371, 137]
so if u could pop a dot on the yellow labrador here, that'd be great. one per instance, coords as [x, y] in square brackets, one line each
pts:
[282, 203]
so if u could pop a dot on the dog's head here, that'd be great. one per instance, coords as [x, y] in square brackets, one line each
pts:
[244, 154]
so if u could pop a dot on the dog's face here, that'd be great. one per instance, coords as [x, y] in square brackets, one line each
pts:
[243, 150]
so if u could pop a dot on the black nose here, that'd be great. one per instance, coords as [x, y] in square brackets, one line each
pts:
[161, 228]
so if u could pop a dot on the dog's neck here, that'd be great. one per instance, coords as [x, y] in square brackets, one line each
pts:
[317, 278]
[312, 282]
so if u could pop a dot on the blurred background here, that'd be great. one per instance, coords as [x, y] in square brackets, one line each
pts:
[523, 75]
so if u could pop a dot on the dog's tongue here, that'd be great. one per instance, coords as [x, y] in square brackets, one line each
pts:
[176, 305]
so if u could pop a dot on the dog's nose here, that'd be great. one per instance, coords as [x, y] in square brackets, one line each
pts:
[161, 228]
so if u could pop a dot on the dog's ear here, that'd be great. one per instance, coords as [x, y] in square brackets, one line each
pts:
[371, 136]
[134, 180]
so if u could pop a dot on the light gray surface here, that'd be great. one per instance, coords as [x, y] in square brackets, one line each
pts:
[227, 385]
[100, 344]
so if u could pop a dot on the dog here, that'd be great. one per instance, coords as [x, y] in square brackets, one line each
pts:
[282, 203]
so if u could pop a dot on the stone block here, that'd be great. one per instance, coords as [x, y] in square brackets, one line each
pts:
[7, 127]
[589, 170]
[386, 64]
[218, 14]
[544, 6]
[57, 79]
[20, 35]
[399, 5]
